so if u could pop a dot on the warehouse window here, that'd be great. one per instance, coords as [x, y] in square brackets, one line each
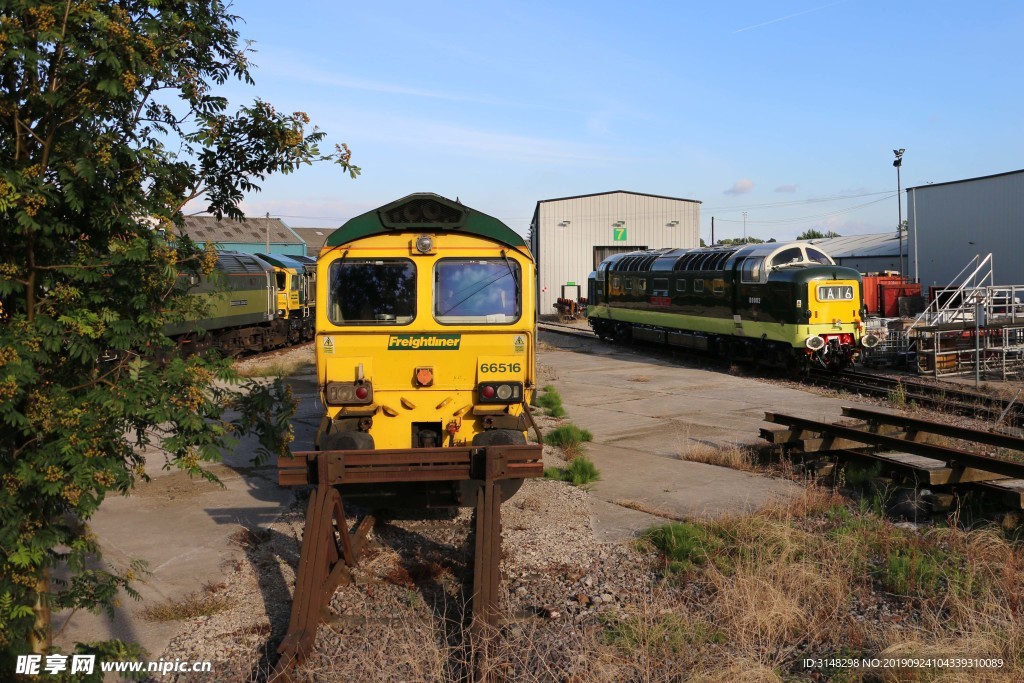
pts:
[483, 291]
[372, 292]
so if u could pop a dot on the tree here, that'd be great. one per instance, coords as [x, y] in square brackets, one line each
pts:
[813, 234]
[109, 125]
[740, 240]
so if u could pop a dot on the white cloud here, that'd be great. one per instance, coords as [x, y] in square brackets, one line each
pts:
[741, 186]
[786, 188]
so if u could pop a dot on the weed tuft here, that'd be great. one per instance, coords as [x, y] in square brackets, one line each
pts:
[551, 402]
[580, 472]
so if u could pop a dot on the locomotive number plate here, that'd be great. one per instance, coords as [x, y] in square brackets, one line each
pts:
[499, 367]
[835, 293]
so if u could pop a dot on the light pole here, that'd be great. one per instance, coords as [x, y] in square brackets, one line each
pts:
[899, 205]
[744, 227]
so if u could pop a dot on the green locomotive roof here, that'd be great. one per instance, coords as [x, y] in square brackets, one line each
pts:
[424, 211]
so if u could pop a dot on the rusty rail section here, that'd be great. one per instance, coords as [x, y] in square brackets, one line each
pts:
[329, 550]
[908, 445]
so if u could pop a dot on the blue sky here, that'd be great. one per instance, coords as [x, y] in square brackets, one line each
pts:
[773, 108]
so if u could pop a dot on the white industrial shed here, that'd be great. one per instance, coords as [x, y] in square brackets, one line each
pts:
[569, 236]
[950, 223]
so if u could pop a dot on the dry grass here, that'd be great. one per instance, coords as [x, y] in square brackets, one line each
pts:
[643, 507]
[203, 604]
[803, 578]
[733, 457]
[275, 368]
[640, 378]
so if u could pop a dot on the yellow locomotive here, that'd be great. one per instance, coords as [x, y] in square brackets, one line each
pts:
[425, 331]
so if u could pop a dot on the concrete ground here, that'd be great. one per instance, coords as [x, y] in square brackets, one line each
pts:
[184, 528]
[643, 413]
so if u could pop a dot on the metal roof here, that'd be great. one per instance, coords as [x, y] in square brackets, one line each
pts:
[598, 194]
[251, 231]
[965, 180]
[884, 244]
[314, 237]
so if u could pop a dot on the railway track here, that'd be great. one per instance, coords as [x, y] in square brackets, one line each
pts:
[330, 550]
[947, 398]
[928, 453]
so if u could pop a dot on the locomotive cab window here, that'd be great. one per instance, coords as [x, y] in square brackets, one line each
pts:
[787, 256]
[818, 257]
[372, 292]
[479, 291]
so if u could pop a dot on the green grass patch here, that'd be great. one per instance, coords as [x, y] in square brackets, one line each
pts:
[684, 546]
[567, 437]
[551, 402]
[670, 632]
[580, 472]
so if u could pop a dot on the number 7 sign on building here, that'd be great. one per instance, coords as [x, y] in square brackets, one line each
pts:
[620, 234]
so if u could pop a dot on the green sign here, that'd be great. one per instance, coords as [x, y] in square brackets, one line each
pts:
[570, 284]
[620, 234]
[414, 342]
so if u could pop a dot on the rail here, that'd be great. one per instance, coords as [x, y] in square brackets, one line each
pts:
[329, 550]
[902, 434]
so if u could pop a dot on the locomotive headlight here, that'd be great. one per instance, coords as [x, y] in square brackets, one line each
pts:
[870, 341]
[424, 244]
[814, 343]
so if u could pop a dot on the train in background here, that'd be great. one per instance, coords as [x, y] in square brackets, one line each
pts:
[252, 303]
[784, 304]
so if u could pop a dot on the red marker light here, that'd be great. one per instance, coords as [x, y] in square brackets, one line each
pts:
[362, 393]
[487, 392]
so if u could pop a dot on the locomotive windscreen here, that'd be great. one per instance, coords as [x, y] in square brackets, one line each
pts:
[476, 291]
[372, 292]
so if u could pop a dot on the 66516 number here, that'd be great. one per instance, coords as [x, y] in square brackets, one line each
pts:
[500, 367]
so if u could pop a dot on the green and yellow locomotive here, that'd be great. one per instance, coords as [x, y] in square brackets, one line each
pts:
[425, 332]
[781, 304]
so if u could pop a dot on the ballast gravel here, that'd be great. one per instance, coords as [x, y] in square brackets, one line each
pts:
[404, 614]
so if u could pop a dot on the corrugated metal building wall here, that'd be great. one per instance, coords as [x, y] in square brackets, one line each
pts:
[570, 235]
[955, 221]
